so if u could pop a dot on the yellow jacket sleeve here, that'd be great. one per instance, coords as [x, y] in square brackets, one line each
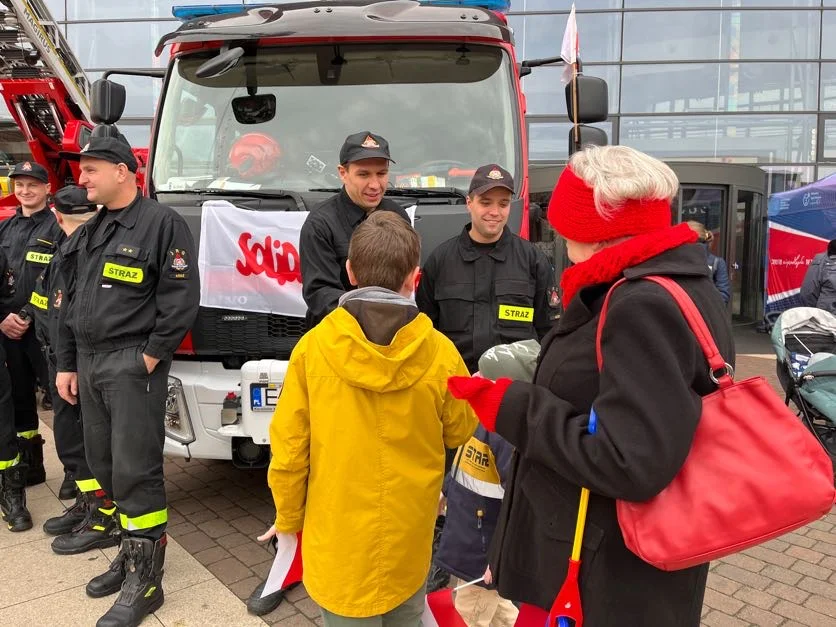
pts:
[458, 420]
[290, 437]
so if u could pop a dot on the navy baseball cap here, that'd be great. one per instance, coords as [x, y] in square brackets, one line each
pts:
[113, 149]
[488, 177]
[30, 168]
[365, 145]
[72, 199]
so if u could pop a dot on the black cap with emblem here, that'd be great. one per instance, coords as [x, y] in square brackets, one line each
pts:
[488, 177]
[112, 149]
[30, 168]
[72, 199]
[365, 145]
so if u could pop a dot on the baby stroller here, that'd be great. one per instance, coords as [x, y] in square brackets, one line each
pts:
[804, 340]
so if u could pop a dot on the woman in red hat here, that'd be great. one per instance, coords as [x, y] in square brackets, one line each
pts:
[612, 205]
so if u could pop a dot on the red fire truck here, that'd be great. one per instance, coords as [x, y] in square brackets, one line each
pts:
[438, 78]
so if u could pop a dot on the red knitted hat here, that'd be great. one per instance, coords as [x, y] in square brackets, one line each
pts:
[572, 213]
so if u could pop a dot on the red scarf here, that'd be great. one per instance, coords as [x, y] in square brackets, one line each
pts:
[608, 264]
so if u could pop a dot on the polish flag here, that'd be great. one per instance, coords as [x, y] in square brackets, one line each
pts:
[439, 610]
[287, 565]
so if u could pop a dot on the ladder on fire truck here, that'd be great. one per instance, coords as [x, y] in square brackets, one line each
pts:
[42, 83]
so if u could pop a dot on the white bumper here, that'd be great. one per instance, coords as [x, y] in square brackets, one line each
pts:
[197, 391]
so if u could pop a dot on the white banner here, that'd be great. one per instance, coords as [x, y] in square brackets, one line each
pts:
[249, 260]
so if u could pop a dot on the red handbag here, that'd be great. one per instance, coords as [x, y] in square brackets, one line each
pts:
[754, 471]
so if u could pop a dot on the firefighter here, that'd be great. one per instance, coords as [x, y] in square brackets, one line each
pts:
[323, 243]
[29, 239]
[136, 294]
[12, 469]
[49, 301]
[488, 286]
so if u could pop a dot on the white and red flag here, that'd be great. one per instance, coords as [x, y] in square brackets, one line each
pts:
[570, 49]
[287, 565]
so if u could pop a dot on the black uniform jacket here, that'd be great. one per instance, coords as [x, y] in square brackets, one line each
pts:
[480, 299]
[136, 281]
[29, 244]
[323, 250]
[647, 401]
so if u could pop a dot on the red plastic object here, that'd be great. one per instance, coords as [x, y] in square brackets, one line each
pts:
[567, 604]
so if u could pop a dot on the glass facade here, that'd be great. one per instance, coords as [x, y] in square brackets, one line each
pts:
[736, 81]
[730, 81]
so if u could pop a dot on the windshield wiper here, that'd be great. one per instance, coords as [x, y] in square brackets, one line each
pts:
[409, 192]
[256, 193]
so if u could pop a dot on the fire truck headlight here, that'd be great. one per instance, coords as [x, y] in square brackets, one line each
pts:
[178, 424]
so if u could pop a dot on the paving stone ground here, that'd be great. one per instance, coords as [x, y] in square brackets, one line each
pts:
[216, 511]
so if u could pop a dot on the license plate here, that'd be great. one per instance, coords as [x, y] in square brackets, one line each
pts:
[263, 396]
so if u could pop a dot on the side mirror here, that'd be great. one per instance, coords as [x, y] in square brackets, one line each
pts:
[587, 135]
[220, 64]
[592, 100]
[107, 101]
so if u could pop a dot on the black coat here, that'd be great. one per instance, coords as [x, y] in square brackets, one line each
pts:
[648, 404]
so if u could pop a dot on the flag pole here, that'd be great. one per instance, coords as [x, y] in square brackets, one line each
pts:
[576, 127]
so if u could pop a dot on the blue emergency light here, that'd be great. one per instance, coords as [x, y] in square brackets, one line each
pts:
[492, 5]
[186, 13]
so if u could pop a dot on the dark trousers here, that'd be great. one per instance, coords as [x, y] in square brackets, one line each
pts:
[69, 437]
[25, 361]
[8, 432]
[124, 413]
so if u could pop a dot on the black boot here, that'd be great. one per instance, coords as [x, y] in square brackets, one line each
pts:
[13, 498]
[259, 606]
[72, 517]
[68, 488]
[110, 581]
[32, 454]
[142, 592]
[99, 530]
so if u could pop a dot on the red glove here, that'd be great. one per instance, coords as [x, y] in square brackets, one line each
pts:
[483, 395]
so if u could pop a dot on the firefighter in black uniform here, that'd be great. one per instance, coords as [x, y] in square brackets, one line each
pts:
[29, 239]
[323, 242]
[136, 294]
[12, 470]
[49, 301]
[488, 286]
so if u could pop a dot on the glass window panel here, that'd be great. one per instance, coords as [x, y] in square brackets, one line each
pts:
[540, 36]
[562, 5]
[138, 133]
[143, 93]
[545, 95]
[13, 146]
[785, 177]
[112, 45]
[57, 9]
[735, 139]
[707, 87]
[549, 141]
[114, 9]
[828, 86]
[659, 36]
[829, 140]
[828, 44]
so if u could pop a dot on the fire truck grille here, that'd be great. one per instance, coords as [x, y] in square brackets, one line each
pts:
[262, 336]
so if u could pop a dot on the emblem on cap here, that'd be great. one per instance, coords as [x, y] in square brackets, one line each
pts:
[495, 174]
[86, 147]
[370, 142]
[26, 167]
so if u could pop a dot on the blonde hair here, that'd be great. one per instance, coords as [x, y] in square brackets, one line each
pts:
[619, 173]
[699, 228]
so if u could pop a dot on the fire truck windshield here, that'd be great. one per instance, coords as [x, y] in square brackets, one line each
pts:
[278, 118]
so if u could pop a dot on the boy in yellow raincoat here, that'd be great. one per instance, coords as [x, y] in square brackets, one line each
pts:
[359, 433]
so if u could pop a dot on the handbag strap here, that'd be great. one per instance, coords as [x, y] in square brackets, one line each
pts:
[716, 363]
